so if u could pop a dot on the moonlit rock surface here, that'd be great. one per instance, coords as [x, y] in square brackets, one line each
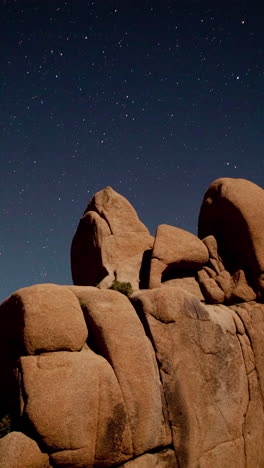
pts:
[171, 376]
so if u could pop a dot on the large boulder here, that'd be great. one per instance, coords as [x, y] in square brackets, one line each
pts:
[88, 399]
[43, 317]
[33, 320]
[209, 376]
[72, 400]
[118, 335]
[19, 451]
[109, 243]
[232, 211]
[175, 250]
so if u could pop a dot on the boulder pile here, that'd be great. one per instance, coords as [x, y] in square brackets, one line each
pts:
[170, 376]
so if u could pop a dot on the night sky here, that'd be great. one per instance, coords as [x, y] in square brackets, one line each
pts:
[154, 98]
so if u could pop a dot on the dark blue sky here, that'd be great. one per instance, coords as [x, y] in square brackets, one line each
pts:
[155, 98]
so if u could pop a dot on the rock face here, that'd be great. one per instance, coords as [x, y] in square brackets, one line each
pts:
[109, 243]
[232, 211]
[95, 406]
[162, 380]
[175, 250]
[18, 450]
[169, 377]
[209, 371]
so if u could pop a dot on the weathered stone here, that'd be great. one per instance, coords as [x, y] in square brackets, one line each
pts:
[77, 458]
[253, 430]
[248, 354]
[116, 210]
[175, 249]
[189, 284]
[230, 453]
[179, 247]
[238, 322]
[211, 291]
[47, 317]
[174, 382]
[123, 270]
[252, 315]
[224, 281]
[211, 272]
[211, 244]
[206, 399]
[240, 290]
[215, 265]
[67, 396]
[203, 274]
[163, 459]
[19, 451]
[223, 316]
[232, 211]
[110, 240]
[118, 335]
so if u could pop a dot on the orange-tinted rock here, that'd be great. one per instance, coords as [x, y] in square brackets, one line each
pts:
[232, 211]
[252, 316]
[172, 382]
[179, 247]
[43, 317]
[240, 290]
[189, 284]
[74, 402]
[211, 244]
[224, 281]
[175, 250]
[211, 290]
[19, 451]
[118, 335]
[110, 240]
[115, 209]
[203, 375]
[211, 273]
[163, 459]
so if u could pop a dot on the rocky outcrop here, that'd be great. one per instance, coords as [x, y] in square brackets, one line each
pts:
[171, 376]
[174, 252]
[209, 376]
[232, 211]
[223, 266]
[161, 379]
[97, 402]
[109, 243]
[217, 284]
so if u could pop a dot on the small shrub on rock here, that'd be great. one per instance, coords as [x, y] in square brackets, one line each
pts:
[5, 424]
[122, 287]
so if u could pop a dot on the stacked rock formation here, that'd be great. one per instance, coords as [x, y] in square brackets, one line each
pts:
[109, 242]
[172, 376]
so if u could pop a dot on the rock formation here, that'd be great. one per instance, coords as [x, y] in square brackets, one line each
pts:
[171, 376]
[109, 243]
[232, 211]
[175, 250]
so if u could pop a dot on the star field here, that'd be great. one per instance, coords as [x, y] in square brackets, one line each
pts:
[155, 98]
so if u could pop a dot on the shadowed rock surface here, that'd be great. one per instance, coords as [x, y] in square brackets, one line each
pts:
[170, 377]
[232, 211]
